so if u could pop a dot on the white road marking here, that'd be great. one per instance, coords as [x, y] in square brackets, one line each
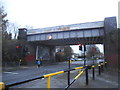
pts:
[11, 72]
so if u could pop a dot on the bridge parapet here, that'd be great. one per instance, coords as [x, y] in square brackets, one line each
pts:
[88, 25]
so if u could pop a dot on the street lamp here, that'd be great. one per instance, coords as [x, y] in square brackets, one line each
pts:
[49, 37]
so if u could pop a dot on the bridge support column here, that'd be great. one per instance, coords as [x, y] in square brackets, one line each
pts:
[110, 41]
[47, 53]
[37, 47]
[52, 53]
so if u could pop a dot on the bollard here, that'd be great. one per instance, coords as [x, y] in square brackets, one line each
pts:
[70, 61]
[86, 75]
[93, 72]
[99, 71]
[84, 62]
[2, 85]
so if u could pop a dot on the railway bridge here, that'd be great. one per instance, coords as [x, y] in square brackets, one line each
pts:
[46, 39]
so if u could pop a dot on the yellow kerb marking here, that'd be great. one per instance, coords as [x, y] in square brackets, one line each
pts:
[52, 74]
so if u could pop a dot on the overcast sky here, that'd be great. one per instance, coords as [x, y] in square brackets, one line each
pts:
[47, 13]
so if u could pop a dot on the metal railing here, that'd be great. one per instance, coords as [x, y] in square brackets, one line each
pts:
[48, 76]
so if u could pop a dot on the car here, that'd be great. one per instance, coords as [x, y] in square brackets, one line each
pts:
[73, 59]
[80, 59]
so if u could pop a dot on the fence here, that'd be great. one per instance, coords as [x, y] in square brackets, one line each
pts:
[48, 76]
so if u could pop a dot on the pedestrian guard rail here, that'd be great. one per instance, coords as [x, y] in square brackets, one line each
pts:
[81, 69]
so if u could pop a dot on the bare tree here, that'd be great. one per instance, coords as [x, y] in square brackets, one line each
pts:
[13, 29]
[64, 52]
[92, 50]
[68, 52]
[3, 22]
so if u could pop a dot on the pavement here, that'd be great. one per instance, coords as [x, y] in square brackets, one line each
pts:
[108, 79]
[105, 80]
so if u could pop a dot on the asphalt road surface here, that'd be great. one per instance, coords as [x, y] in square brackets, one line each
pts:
[26, 73]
